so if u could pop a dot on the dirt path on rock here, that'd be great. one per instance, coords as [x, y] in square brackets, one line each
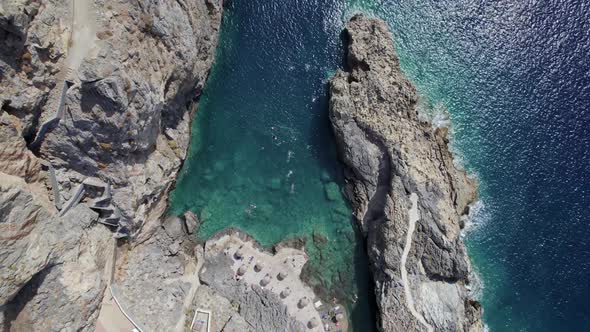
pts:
[111, 318]
[191, 276]
[412, 218]
[83, 32]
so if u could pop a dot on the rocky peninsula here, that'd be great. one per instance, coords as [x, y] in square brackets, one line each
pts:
[408, 196]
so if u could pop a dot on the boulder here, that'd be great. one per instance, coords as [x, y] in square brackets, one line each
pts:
[332, 191]
[192, 222]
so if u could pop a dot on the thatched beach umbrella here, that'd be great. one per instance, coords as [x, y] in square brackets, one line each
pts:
[265, 281]
[339, 317]
[303, 303]
[313, 323]
[285, 292]
[282, 275]
[239, 254]
[258, 266]
[242, 270]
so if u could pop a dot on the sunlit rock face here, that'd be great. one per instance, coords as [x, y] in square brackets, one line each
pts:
[392, 155]
[93, 96]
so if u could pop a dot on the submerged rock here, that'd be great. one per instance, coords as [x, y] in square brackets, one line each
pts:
[332, 191]
[390, 154]
[325, 176]
[219, 166]
[319, 239]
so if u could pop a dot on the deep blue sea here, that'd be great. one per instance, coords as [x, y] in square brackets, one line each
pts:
[514, 77]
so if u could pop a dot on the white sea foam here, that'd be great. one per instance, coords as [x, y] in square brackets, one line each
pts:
[478, 216]
[440, 116]
[437, 114]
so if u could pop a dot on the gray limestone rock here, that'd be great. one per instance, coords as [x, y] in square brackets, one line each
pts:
[173, 227]
[261, 309]
[131, 92]
[67, 296]
[22, 251]
[224, 314]
[389, 154]
[236, 324]
[50, 267]
[192, 222]
[154, 279]
[123, 117]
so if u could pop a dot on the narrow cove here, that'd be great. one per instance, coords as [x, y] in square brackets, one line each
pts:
[262, 156]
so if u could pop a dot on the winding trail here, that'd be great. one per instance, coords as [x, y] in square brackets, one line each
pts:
[84, 30]
[81, 42]
[412, 218]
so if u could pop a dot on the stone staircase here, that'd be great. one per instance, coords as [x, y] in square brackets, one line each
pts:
[67, 77]
[109, 214]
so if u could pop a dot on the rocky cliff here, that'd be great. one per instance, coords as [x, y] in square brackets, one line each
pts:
[96, 99]
[407, 194]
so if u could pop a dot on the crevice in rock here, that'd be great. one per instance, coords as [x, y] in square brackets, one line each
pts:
[362, 250]
[376, 205]
[373, 217]
[440, 278]
[189, 93]
[26, 294]
[29, 131]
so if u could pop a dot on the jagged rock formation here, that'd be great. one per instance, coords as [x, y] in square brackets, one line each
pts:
[156, 280]
[96, 99]
[390, 155]
[257, 308]
[95, 108]
[263, 310]
[51, 266]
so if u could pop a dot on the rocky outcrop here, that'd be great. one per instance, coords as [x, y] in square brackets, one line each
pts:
[96, 99]
[155, 280]
[52, 266]
[130, 94]
[260, 308]
[391, 155]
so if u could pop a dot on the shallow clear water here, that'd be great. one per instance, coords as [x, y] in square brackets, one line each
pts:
[515, 77]
[262, 156]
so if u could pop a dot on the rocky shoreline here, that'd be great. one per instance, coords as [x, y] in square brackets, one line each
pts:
[390, 156]
[96, 102]
[96, 105]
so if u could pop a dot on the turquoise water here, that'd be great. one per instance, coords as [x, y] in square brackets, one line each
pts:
[262, 156]
[514, 76]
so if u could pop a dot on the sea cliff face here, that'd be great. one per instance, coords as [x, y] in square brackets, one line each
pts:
[96, 100]
[407, 195]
